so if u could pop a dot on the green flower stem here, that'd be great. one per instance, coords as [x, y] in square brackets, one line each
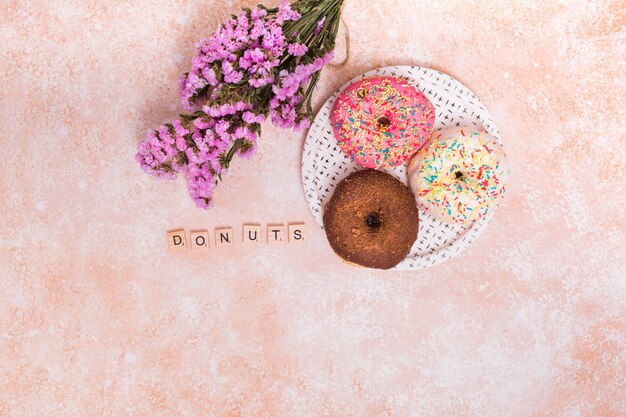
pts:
[229, 156]
[326, 41]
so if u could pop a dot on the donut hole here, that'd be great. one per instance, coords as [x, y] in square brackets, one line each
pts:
[458, 175]
[372, 221]
[383, 122]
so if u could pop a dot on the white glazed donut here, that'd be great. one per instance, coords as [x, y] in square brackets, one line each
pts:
[460, 175]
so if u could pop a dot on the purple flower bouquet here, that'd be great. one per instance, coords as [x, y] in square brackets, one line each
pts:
[262, 62]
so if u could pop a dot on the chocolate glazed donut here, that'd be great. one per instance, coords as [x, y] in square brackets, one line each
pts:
[371, 220]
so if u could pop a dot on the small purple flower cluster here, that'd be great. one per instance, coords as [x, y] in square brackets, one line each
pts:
[288, 95]
[253, 66]
[160, 153]
[196, 147]
[245, 49]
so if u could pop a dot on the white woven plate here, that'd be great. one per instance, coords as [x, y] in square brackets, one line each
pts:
[324, 165]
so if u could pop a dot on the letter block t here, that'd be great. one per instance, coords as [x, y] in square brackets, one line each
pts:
[276, 234]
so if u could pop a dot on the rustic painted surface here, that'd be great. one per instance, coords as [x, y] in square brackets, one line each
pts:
[98, 319]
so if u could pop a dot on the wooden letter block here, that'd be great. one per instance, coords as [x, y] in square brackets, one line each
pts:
[176, 239]
[199, 239]
[297, 233]
[251, 234]
[224, 237]
[276, 234]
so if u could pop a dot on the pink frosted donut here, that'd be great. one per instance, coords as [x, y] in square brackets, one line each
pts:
[380, 122]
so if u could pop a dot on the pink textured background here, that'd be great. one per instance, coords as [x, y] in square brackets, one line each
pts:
[98, 319]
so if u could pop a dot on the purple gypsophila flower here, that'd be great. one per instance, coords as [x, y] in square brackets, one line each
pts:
[246, 48]
[297, 49]
[285, 12]
[156, 153]
[258, 13]
[201, 184]
[318, 28]
[287, 93]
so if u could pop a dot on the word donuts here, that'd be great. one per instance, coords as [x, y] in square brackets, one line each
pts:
[225, 236]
